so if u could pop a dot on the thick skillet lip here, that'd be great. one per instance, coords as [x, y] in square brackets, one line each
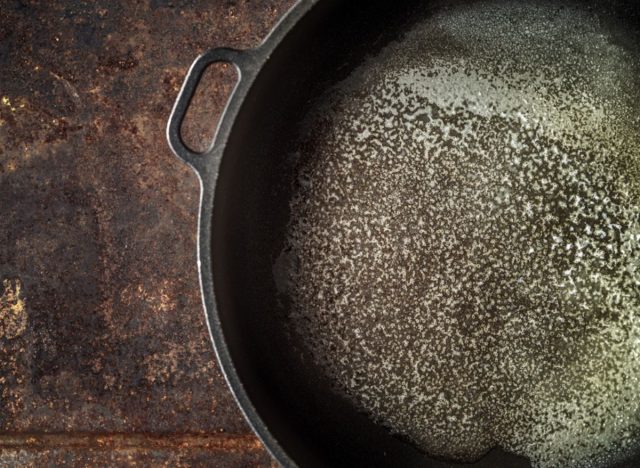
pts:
[249, 64]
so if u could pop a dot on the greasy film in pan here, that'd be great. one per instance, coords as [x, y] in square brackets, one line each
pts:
[463, 254]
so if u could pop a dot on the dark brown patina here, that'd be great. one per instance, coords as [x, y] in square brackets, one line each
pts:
[104, 353]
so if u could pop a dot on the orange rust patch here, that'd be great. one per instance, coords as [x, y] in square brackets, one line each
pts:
[131, 441]
[13, 313]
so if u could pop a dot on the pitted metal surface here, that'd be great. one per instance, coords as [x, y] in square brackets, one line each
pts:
[104, 353]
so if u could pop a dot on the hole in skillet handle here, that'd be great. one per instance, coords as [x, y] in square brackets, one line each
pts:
[207, 105]
[190, 132]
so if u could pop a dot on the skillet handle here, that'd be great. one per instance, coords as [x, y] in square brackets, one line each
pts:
[174, 137]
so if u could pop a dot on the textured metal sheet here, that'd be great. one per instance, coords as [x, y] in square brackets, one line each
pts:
[101, 328]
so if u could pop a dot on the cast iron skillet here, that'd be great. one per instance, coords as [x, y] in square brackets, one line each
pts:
[245, 181]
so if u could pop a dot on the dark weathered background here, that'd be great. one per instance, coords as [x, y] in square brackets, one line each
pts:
[104, 354]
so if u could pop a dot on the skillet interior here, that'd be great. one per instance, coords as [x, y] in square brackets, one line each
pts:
[251, 212]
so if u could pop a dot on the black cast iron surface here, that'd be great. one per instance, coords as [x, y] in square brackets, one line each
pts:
[104, 353]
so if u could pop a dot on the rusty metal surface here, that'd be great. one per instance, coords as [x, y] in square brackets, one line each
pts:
[104, 355]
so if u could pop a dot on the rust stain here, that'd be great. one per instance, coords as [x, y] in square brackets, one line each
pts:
[164, 366]
[130, 441]
[99, 225]
[13, 312]
[160, 298]
[7, 103]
